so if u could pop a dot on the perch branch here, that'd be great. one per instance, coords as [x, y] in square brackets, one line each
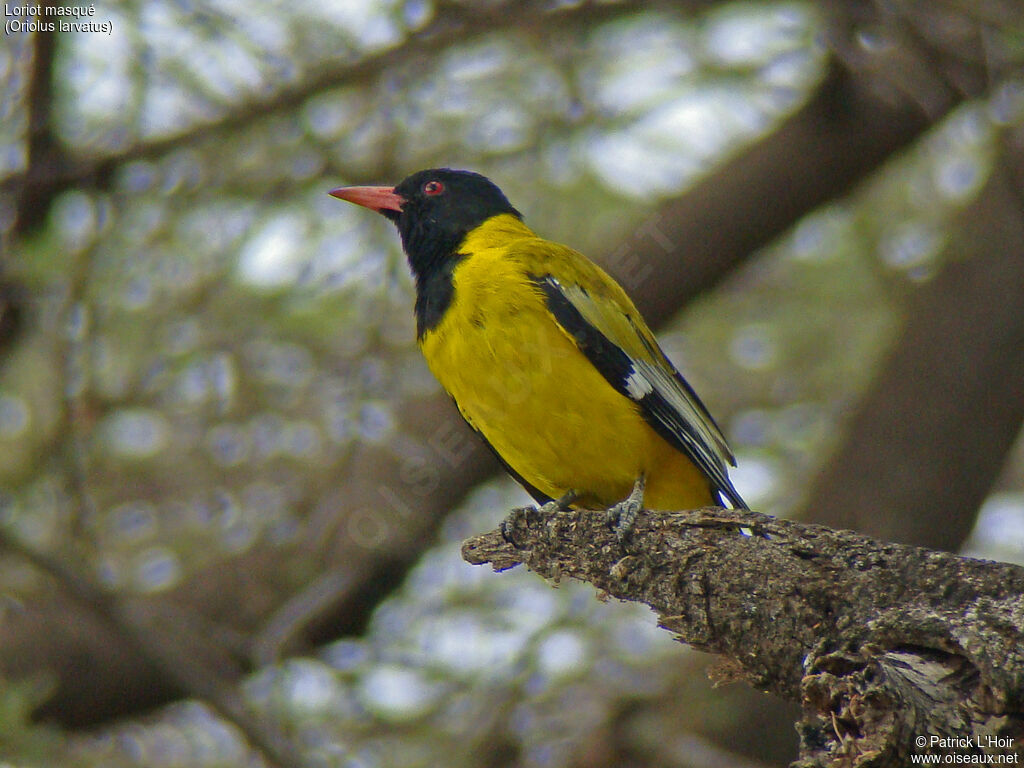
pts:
[880, 643]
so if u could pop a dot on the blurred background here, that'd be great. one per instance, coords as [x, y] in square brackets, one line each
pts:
[231, 495]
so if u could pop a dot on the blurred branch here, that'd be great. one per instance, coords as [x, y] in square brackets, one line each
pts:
[686, 750]
[883, 90]
[384, 519]
[879, 642]
[927, 52]
[932, 435]
[44, 153]
[12, 316]
[168, 646]
[454, 23]
[652, 731]
[844, 133]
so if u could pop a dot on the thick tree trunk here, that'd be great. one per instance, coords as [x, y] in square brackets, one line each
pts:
[949, 402]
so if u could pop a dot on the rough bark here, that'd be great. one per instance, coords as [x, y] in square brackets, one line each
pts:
[881, 643]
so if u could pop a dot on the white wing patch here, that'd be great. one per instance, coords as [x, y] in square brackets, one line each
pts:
[648, 373]
[691, 412]
[637, 385]
[636, 365]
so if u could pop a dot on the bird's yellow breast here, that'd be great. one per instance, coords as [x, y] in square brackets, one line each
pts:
[520, 380]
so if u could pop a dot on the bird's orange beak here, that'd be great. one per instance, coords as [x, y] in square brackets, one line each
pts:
[378, 199]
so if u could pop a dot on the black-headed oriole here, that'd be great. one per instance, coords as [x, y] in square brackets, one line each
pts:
[546, 356]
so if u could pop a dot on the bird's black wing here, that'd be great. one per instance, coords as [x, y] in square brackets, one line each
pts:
[626, 354]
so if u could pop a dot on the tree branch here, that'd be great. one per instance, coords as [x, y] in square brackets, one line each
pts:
[44, 153]
[841, 135]
[880, 642]
[182, 656]
[37, 186]
[949, 400]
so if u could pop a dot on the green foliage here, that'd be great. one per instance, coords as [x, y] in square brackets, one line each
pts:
[22, 741]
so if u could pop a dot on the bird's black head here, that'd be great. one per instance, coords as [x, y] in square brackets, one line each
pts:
[433, 210]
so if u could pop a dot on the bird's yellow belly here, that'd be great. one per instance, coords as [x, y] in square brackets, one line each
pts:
[521, 381]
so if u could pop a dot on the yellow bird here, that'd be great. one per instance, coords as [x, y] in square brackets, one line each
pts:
[546, 356]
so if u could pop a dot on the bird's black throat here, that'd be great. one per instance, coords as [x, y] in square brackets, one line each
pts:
[432, 257]
[433, 226]
[435, 290]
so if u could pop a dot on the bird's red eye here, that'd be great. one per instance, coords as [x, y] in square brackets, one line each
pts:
[433, 188]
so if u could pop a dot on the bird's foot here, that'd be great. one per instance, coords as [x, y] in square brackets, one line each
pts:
[622, 516]
[528, 516]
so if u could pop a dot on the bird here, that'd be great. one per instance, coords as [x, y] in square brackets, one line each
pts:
[546, 356]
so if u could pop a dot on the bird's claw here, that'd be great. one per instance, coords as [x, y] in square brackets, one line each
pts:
[528, 516]
[518, 516]
[622, 516]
